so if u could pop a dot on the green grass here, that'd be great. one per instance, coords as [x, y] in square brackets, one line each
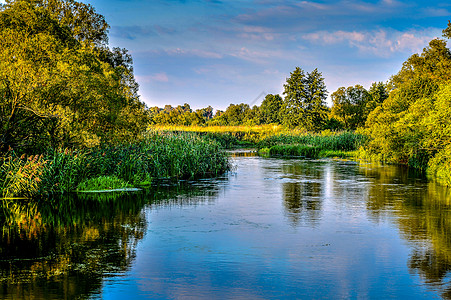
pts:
[327, 144]
[103, 183]
[337, 154]
[295, 151]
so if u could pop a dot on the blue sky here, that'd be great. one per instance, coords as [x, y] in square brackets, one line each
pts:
[212, 52]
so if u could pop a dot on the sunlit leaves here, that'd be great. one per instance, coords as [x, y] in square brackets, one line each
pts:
[57, 74]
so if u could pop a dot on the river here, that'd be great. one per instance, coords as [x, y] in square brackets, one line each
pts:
[268, 229]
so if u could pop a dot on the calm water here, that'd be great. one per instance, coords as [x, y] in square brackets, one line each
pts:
[270, 229]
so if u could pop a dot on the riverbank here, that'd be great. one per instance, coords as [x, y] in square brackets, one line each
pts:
[155, 156]
[279, 141]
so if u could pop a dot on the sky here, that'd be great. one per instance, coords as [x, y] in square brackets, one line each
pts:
[214, 52]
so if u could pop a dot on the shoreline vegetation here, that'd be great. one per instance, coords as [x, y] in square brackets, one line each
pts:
[156, 156]
[71, 118]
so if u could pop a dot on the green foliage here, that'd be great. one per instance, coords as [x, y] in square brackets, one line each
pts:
[238, 114]
[21, 177]
[447, 30]
[440, 166]
[181, 115]
[60, 86]
[413, 125]
[304, 104]
[343, 141]
[271, 109]
[337, 154]
[174, 156]
[103, 183]
[295, 151]
[350, 106]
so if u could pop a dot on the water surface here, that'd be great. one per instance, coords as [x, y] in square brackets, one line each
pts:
[269, 229]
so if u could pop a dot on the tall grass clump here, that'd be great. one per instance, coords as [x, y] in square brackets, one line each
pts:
[295, 150]
[21, 176]
[341, 141]
[155, 156]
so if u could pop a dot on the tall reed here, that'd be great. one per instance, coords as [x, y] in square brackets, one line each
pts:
[157, 155]
[343, 141]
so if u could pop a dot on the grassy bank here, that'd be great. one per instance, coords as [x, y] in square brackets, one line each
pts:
[326, 144]
[156, 156]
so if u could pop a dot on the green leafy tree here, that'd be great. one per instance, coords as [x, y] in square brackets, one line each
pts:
[433, 63]
[407, 128]
[234, 115]
[316, 108]
[350, 106]
[378, 92]
[57, 74]
[305, 100]
[447, 31]
[270, 109]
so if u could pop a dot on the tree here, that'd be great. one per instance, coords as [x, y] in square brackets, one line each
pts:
[434, 63]
[270, 109]
[57, 74]
[305, 100]
[316, 101]
[378, 92]
[234, 115]
[447, 31]
[350, 106]
[410, 125]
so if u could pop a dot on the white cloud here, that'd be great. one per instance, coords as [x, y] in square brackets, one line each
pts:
[380, 42]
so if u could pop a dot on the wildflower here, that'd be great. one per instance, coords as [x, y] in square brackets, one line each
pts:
[23, 156]
[37, 179]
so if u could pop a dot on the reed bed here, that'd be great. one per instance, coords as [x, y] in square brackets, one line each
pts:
[337, 141]
[326, 144]
[156, 156]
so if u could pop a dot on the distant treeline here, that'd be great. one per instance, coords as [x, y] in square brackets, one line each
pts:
[304, 105]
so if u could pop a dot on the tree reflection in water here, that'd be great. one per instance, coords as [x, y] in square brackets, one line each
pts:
[303, 195]
[62, 249]
[421, 208]
[423, 214]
